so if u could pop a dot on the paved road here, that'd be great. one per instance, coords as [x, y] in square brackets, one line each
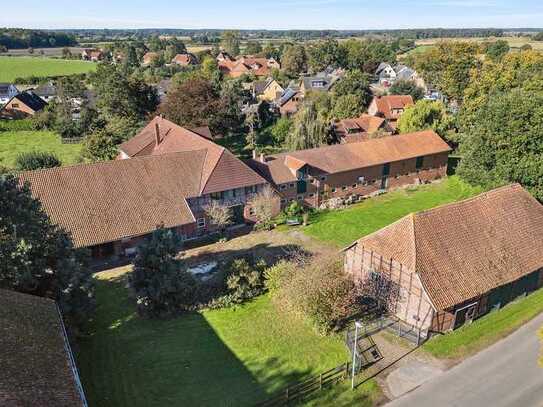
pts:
[506, 374]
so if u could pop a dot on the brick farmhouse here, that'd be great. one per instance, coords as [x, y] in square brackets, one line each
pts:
[441, 268]
[355, 170]
[168, 176]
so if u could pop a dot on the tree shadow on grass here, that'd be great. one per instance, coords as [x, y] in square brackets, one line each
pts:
[130, 361]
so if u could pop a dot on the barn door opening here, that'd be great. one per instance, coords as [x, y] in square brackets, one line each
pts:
[465, 315]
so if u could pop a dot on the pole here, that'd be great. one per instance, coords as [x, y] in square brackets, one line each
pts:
[354, 352]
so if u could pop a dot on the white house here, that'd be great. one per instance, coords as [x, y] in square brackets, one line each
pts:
[7, 91]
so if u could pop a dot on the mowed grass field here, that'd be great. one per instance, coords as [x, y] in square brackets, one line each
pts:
[231, 357]
[22, 67]
[12, 143]
[343, 227]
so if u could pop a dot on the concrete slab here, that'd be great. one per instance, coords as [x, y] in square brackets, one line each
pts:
[410, 376]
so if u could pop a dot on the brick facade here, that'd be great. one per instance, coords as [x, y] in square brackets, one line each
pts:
[322, 187]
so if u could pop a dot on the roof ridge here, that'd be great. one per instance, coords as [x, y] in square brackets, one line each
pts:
[470, 199]
[213, 169]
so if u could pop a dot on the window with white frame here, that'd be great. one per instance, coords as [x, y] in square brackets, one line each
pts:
[201, 223]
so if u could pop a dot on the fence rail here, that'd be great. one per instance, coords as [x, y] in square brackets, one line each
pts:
[302, 390]
[73, 140]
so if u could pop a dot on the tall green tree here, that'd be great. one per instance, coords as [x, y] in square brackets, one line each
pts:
[160, 284]
[402, 87]
[505, 145]
[323, 54]
[497, 50]
[355, 82]
[308, 130]
[294, 60]
[425, 115]
[447, 66]
[37, 257]
[230, 42]
[122, 95]
[253, 47]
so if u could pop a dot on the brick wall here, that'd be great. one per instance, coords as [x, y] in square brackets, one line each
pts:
[348, 183]
[412, 305]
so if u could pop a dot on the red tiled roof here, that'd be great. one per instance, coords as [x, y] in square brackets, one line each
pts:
[358, 129]
[184, 59]
[346, 157]
[108, 201]
[465, 249]
[36, 366]
[386, 104]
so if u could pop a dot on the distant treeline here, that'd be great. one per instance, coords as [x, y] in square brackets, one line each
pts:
[18, 38]
[212, 35]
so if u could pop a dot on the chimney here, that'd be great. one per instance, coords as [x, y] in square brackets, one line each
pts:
[262, 158]
[157, 134]
[254, 154]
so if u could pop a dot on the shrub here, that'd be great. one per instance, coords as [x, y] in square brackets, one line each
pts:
[274, 275]
[245, 281]
[294, 209]
[34, 160]
[16, 125]
[321, 292]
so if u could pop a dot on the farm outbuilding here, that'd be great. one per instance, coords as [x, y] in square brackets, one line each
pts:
[439, 269]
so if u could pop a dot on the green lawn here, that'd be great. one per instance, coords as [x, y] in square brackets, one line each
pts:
[486, 330]
[235, 356]
[22, 67]
[343, 227]
[14, 142]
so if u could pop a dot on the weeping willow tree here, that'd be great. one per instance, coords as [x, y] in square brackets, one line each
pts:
[309, 130]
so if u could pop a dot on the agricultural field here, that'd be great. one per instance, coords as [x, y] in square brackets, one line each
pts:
[236, 356]
[21, 67]
[514, 42]
[12, 143]
[343, 227]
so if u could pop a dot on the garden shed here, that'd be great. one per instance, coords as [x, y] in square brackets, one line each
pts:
[439, 269]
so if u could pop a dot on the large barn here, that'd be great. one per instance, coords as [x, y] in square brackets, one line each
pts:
[447, 266]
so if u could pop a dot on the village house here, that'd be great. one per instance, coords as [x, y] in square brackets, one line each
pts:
[185, 59]
[360, 128]
[46, 91]
[268, 90]
[165, 175]
[442, 268]
[390, 107]
[290, 100]
[350, 172]
[162, 89]
[149, 57]
[246, 65]
[319, 83]
[38, 367]
[94, 55]
[387, 75]
[7, 91]
[22, 105]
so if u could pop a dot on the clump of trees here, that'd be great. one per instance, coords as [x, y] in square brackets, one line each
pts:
[37, 257]
[424, 115]
[504, 144]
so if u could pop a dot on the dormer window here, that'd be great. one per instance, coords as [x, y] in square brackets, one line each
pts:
[317, 84]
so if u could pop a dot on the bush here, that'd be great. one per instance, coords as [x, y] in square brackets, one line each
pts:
[294, 209]
[273, 276]
[35, 160]
[245, 281]
[319, 291]
[16, 125]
